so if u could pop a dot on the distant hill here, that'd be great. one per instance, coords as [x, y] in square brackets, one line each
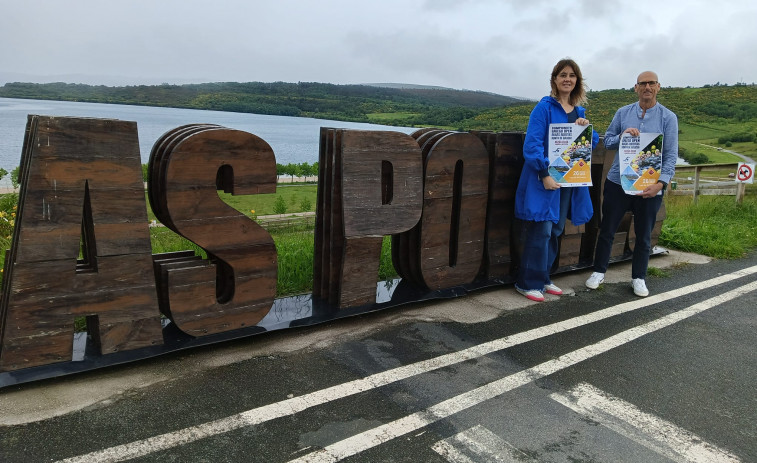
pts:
[408, 105]
[411, 86]
[714, 106]
[436, 87]
[415, 105]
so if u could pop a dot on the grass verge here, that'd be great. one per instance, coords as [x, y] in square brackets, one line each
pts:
[716, 226]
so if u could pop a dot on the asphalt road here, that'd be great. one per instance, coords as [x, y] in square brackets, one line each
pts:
[592, 376]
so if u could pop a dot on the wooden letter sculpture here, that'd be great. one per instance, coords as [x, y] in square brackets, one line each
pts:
[68, 209]
[369, 186]
[81, 244]
[235, 287]
[506, 157]
[446, 248]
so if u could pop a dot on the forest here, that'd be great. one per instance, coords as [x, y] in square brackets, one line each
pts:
[718, 113]
[709, 105]
[355, 103]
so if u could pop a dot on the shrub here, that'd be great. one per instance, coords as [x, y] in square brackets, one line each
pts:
[305, 205]
[693, 158]
[14, 178]
[698, 158]
[8, 204]
[280, 206]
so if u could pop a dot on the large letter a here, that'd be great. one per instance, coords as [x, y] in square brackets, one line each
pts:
[81, 196]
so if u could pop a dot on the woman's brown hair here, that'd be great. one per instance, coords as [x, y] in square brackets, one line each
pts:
[578, 95]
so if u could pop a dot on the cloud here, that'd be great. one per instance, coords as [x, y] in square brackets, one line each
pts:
[500, 46]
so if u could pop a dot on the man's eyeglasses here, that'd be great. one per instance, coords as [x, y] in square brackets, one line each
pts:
[651, 83]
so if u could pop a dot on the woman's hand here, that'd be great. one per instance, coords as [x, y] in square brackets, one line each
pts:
[550, 183]
[582, 121]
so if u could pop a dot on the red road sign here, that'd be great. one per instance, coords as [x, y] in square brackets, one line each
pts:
[744, 173]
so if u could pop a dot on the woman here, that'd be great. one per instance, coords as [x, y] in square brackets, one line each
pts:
[539, 200]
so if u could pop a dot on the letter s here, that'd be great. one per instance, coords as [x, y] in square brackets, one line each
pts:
[235, 287]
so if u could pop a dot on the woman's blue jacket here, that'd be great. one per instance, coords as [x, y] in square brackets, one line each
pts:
[532, 201]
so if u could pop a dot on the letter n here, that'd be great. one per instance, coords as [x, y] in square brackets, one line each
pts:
[81, 246]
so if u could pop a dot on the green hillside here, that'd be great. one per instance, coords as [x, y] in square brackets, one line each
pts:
[357, 103]
[714, 114]
[709, 107]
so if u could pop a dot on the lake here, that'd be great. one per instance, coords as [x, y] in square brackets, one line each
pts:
[293, 139]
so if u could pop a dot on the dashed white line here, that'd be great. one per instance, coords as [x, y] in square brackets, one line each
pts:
[652, 432]
[379, 435]
[482, 445]
[297, 404]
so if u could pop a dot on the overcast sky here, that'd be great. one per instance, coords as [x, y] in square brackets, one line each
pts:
[501, 46]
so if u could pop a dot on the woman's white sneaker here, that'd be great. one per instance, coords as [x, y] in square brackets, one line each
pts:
[595, 279]
[640, 287]
[551, 288]
[533, 294]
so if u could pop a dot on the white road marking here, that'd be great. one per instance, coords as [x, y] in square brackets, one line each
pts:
[482, 445]
[297, 404]
[384, 433]
[648, 430]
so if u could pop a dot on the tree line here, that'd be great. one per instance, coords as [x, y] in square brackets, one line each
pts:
[356, 103]
[302, 169]
[730, 110]
[709, 106]
[408, 107]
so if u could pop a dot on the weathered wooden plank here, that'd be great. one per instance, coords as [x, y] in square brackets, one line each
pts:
[429, 137]
[421, 131]
[506, 159]
[410, 242]
[58, 182]
[161, 267]
[369, 207]
[197, 308]
[29, 352]
[36, 281]
[363, 155]
[458, 158]
[619, 245]
[195, 163]
[10, 254]
[328, 175]
[66, 185]
[359, 273]
[570, 250]
[43, 306]
[336, 230]
[571, 229]
[159, 156]
[318, 231]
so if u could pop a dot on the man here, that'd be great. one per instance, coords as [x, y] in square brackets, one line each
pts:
[647, 115]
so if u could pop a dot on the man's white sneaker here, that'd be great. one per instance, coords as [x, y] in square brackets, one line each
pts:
[595, 279]
[640, 287]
